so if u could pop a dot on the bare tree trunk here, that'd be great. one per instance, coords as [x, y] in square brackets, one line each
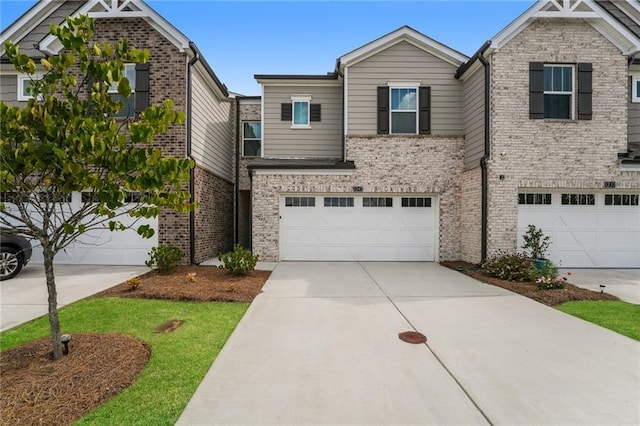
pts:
[53, 302]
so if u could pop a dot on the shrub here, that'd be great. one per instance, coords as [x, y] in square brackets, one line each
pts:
[239, 261]
[548, 277]
[535, 242]
[134, 283]
[510, 267]
[164, 258]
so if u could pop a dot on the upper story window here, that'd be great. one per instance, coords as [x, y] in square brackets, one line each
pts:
[252, 139]
[404, 110]
[128, 104]
[558, 91]
[300, 112]
[635, 87]
[24, 86]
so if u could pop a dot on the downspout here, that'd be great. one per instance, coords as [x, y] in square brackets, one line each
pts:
[487, 152]
[192, 190]
[236, 199]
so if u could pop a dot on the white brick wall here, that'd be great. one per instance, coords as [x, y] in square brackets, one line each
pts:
[384, 164]
[471, 215]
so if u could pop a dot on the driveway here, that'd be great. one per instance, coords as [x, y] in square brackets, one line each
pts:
[24, 297]
[320, 346]
[622, 283]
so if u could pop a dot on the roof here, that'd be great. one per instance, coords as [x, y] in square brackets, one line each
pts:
[622, 14]
[296, 164]
[404, 33]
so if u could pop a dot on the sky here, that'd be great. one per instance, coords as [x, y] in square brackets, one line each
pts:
[243, 38]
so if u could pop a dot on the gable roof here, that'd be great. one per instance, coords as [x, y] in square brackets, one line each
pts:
[407, 34]
[603, 15]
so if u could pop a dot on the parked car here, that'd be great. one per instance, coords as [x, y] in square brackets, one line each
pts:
[15, 253]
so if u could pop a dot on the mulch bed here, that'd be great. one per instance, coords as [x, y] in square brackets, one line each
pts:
[530, 289]
[39, 391]
[209, 284]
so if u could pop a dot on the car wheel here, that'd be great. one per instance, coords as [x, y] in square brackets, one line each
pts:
[10, 263]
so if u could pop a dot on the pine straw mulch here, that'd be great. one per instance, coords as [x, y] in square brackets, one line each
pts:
[530, 289]
[39, 391]
[209, 284]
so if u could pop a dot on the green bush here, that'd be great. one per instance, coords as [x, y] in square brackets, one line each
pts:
[510, 267]
[239, 261]
[547, 277]
[535, 242]
[164, 258]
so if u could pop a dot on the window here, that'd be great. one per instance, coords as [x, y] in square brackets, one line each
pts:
[534, 199]
[404, 110]
[300, 201]
[338, 201]
[578, 200]
[416, 202]
[252, 139]
[621, 199]
[301, 110]
[128, 104]
[24, 86]
[558, 91]
[635, 88]
[53, 197]
[377, 202]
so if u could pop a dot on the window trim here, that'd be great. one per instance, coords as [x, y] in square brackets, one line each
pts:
[253, 139]
[409, 85]
[132, 98]
[635, 92]
[572, 100]
[300, 99]
[21, 78]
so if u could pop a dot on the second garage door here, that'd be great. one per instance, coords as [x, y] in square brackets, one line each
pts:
[348, 227]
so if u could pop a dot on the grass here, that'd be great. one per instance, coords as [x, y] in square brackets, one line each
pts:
[179, 360]
[621, 317]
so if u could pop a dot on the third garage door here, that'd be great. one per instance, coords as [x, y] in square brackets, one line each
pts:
[358, 227]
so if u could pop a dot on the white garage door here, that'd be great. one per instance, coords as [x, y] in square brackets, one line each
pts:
[588, 229]
[358, 227]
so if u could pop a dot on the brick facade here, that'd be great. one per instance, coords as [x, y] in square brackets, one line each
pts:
[553, 154]
[384, 164]
[471, 215]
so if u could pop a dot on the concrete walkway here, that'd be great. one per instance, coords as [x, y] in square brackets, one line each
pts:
[24, 297]
[622, 283]
[320, 346]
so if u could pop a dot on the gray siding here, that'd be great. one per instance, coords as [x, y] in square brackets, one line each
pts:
[42, 30]
[322, 140]
[474, 119]
[9, 89]
[404, 62]
[634, 124]
[211, 138]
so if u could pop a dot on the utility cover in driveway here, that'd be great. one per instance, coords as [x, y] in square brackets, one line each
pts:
[358, 227]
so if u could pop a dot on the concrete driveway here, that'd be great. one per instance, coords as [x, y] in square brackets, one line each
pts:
[320, 346]
[622, 283]
[24, 297]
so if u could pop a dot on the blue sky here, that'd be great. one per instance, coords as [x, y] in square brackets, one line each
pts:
[243, 38]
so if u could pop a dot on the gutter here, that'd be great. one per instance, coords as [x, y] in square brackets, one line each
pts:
[487, 151]
[192, 191]
[236, 195]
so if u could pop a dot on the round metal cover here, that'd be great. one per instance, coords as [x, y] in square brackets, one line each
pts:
[412, 337]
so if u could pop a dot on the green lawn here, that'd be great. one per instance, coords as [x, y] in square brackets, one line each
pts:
[621, 317]
[179, 360]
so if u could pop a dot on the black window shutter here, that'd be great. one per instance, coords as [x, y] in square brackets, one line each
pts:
[314, 112]
[383, 110]
[585, 91]
[142, 87]
[536, 90]
[424, 117]
[285, 112]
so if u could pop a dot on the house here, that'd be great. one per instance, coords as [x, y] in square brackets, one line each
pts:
[175, 70]
[411, 151]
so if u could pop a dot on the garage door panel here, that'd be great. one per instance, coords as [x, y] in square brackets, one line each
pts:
[357, 233]
[575, 238]
[620, 239]
[620, 219]
[576, 219]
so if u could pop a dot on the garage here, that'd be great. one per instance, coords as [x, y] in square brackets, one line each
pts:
[589, 229]
[356, 227]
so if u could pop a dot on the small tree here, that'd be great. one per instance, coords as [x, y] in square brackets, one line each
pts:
[535, 242]
[64, 141]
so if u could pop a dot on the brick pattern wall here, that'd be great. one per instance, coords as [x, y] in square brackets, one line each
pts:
[553, 153]
[250, 112]
[471, 215]
[214, 216]
[384, 164]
